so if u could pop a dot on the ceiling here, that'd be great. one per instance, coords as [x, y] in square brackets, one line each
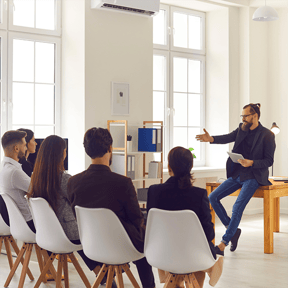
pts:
[211, 5]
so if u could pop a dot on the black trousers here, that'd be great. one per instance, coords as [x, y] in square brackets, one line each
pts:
[91, 264]
[3, 211]
[145, 273]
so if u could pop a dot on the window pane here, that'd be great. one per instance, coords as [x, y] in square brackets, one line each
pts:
[158, 106]
[23, 103]
[23, 14]
[44, 131]
[180, 106]
[0, 53]
[30, 127]
[180, 137]
[194, 32]
[45, 14]
[180, 30]
[44, 104]
[194, 110]
[23, 60]
[180, 75]
[45, 59]
[159, 28]
[193, 143]
[159, 72]
[194, 76]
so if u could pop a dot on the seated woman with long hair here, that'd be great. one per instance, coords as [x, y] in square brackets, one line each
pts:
[178, 193]
[49, 181]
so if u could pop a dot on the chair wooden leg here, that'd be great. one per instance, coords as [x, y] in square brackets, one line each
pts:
[1, 241]
[119, 278]
[17, 251]
[40, 260]
[48, 264]
[110, 276]
[65, 268]
[46, 258]
[16, 264]
[79, 270]
[8, 252]
[130, 276]
[59, 271]
[100, 276]
[171, 281]
[25, 265]
[193, 281]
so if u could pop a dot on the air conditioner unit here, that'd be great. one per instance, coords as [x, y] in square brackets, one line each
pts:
[140, 7]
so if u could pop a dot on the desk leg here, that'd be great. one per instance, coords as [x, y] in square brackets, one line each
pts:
[268, 222]
[209, 191]
[276, 215]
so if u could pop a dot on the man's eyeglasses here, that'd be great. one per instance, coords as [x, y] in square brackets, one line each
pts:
[245, 116]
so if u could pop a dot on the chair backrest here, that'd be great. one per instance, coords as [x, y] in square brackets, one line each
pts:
[4, 228]
[175, 242]
[104, 238]
[18, 226]
[49, 232]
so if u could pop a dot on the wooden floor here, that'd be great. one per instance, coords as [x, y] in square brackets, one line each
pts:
[247, 267]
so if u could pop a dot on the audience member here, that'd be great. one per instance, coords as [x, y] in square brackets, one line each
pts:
[49, 181]
[13, 180]
[98, 187]
[31, 148]
[178, 193]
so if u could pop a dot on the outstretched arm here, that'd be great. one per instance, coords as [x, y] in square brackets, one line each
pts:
[205, 137]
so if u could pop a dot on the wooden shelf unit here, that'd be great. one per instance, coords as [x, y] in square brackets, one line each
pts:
[123, 150]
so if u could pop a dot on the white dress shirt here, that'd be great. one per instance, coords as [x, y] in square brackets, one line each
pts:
[15, 182]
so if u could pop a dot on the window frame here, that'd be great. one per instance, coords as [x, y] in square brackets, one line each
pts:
[35, 38]
[4, 67]
[168, 32]
[166, 127]
[4, 9]
[191, 13]
[56, 32]
[202, 162]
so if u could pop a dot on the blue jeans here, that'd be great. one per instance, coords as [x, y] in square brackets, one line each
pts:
[231, 185]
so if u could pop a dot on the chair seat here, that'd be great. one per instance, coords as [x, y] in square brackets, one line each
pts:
[67, 249]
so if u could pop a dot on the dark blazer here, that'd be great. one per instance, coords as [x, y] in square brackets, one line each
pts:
[168, 196]
[27, 167]
[262, 151]
[98, 187]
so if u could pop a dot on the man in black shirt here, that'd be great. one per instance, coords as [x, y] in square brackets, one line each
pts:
[257, 145]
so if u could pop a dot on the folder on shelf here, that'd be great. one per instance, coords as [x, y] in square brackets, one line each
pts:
[142, 194]
[147, 139]
[159, 140]
[131, 166]
[118, 164]
[155, 169]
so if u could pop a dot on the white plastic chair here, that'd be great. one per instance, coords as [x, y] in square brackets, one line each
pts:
[175, 242]
[51, 236]
[21, 231]
[6, 238]
[105, 240]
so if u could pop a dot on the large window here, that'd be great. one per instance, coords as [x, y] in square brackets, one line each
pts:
[30, 47]
[179, 78]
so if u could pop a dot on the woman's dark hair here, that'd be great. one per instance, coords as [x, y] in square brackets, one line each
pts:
[48, 169]
[254, 108]
[97, 142]
[29, 136]
[180, 161]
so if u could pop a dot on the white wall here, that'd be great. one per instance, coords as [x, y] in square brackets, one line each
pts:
[278, 91]
[118, 48]
[73, 80]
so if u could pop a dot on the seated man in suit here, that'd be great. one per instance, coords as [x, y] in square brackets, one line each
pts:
[98, 187]
[13, 180]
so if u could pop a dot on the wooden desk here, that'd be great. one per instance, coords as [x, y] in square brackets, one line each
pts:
[271, 195]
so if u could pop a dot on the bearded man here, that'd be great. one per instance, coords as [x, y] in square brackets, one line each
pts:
[13, 180]
[257, 145]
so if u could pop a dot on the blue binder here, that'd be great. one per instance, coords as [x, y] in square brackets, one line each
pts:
[147, 139]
